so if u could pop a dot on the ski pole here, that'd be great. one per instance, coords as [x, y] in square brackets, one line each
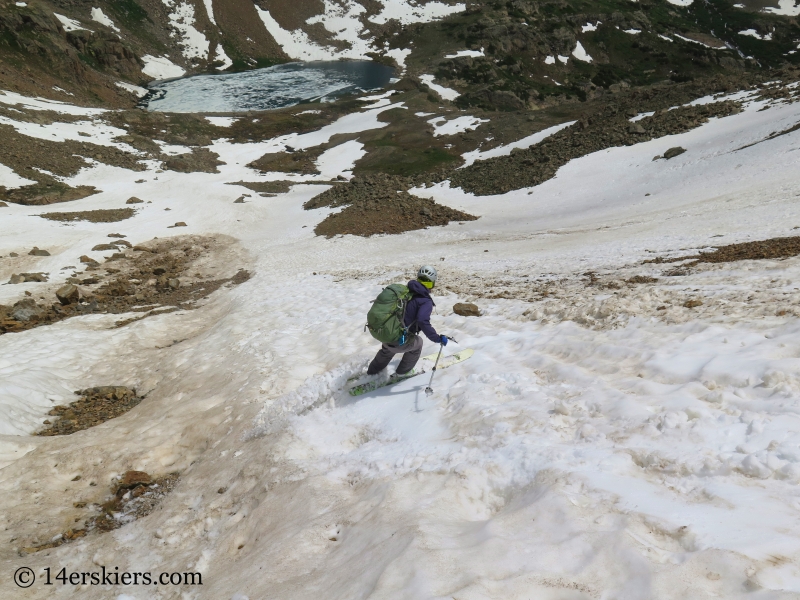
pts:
[429, 389]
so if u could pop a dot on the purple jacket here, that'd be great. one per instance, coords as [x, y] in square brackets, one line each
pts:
[418, 312]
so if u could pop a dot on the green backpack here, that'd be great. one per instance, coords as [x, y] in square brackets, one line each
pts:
[385, 318]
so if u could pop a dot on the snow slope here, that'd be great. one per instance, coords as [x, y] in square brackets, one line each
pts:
[594, 447]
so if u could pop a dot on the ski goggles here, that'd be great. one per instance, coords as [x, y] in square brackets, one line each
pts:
[427, 284]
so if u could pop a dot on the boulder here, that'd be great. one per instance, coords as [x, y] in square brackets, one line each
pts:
[88, 260]
[466, 309]
[3, 205]
[35, 277]
[68, 294]
[16, 278]
[104, 247]
[636, 128]
[26, 310]
[134, 200]
[37, 252]
[693, 303]
[673, 152]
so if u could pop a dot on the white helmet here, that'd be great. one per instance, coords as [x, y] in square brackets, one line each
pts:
[427, 273]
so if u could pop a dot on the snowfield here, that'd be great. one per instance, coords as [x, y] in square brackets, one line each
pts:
[593, 447]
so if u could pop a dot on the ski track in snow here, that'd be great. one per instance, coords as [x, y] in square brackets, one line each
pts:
[587, 449]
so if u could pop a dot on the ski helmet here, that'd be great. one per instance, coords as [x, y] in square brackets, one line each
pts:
[427, 273]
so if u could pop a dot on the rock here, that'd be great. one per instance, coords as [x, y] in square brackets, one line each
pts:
[239, 200]
[673, 152]
[159, 271]
[693, 303]
[88, 260]
[26, 310]
[466, 309]
[636, 128]
[132, 479]
[35, 277]
[68, 294]
[116, 235]
[134, 200]
[180, 224]
[3, 205]
[174, 283]
[13, 254]
[104, 247]
[37, 252]
[16, 278]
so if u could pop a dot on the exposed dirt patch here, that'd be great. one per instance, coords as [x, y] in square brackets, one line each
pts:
[374, 205]
[111, 215]
[42, 194]
[96, 405]
[200, 160]
[773, 248]
[301, 162]
[133, 496]
[266, 188]
[153, 278]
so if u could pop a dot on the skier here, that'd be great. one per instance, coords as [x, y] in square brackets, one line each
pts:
[417, 318]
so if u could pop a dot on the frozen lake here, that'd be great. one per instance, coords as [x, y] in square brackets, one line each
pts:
[269, 88]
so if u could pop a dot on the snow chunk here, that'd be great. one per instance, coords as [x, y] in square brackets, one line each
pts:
[69, 24]
[160, 67]
[681, 2]
[471, 53]
[563, 59]
[133, 89]
[223, 121]
[590, 27]
[550, 60]
[99, 16]
[445, 93]
[526, 142]
[632, 31]
[10, 180]
[580, 54]
[458, 125]
[193, 43]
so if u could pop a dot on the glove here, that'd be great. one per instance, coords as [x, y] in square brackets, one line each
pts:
[443, 340]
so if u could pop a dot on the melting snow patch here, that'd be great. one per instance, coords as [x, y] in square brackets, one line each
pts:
[407, 13]
[526, 142]
[399, 55]
[160, 67]
[193, 42]
[224, 121]
[471, 53]
[681, 2]
[785, 7]
[69, 24]
[137, 91]
[685, 39]
[665, 38]
[99, 16]
[295, 43]
[210, 11]
[10, 180]
[632, 31]
[590, 27]
[550, 60]
[15, 99]
[755, 34]
[220, 56]
[580, 54]
[641, 116]
[458, 125]
[563, 59]
[445, 93]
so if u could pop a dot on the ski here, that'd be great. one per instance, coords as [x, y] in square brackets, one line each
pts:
[448, 361]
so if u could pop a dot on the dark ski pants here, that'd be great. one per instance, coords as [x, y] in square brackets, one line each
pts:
[411, 351]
